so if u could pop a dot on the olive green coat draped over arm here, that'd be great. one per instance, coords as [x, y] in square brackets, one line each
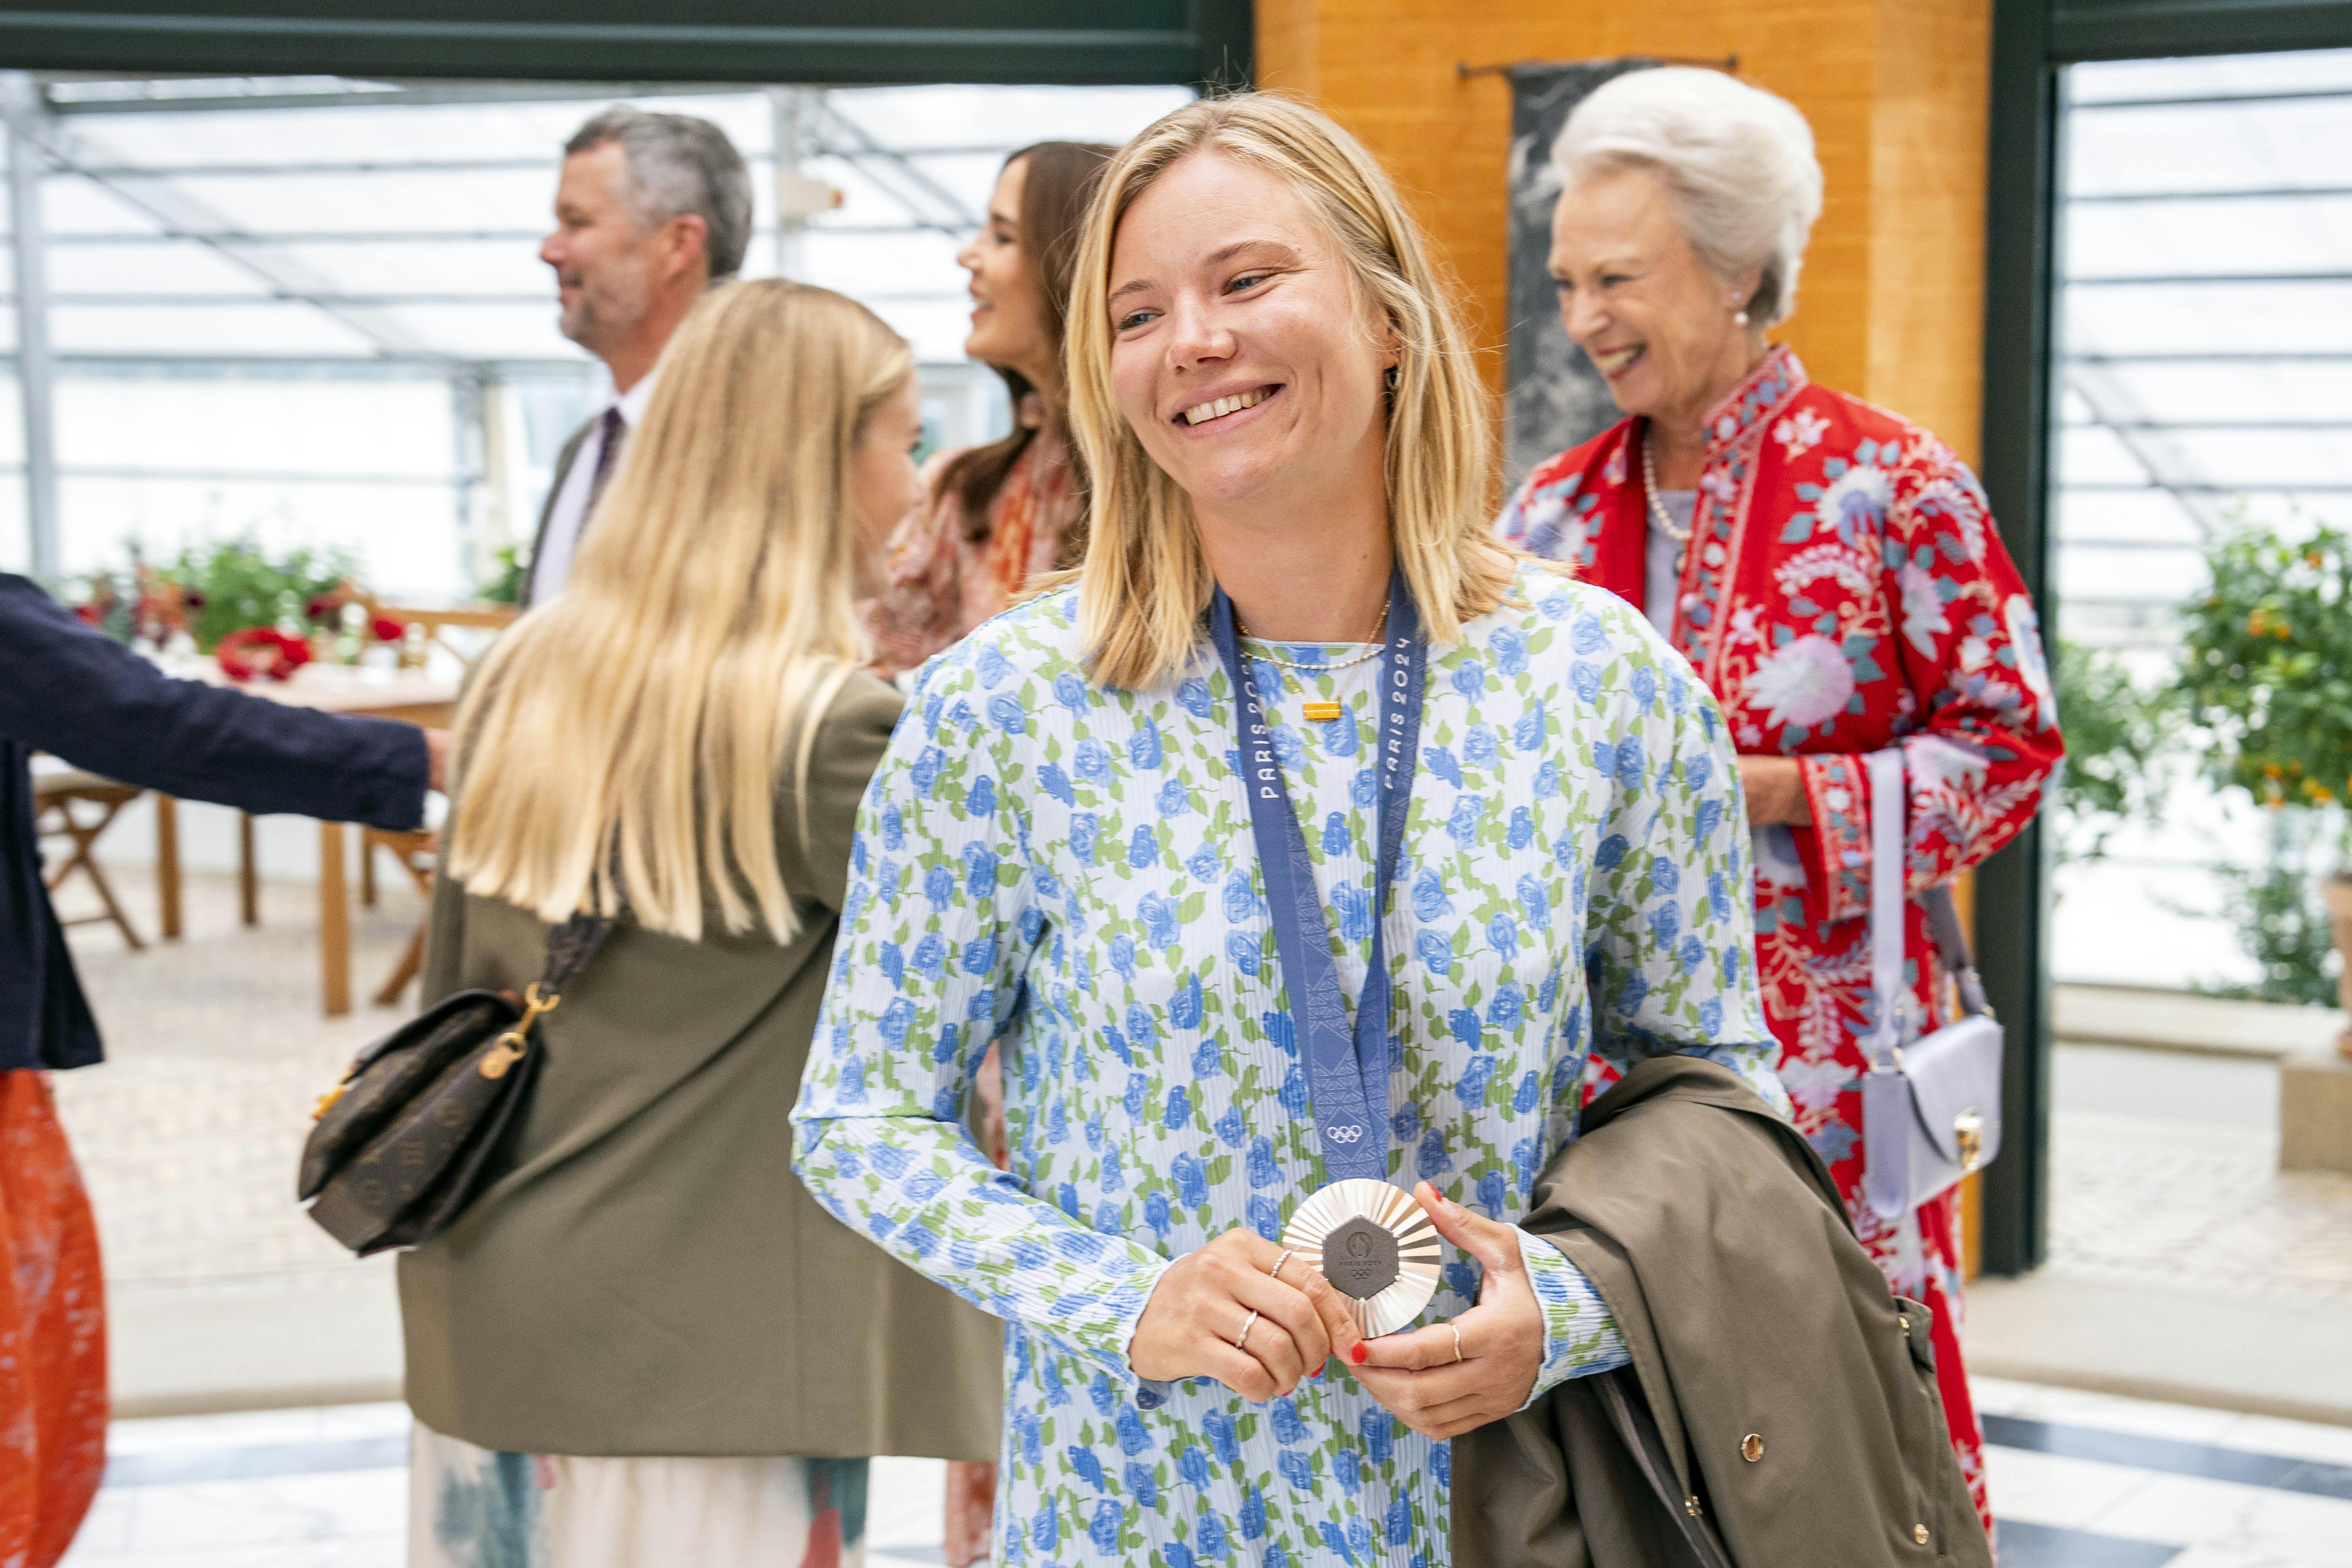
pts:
[646, 1275]
[1781, 1406]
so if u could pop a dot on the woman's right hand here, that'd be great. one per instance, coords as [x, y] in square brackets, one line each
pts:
[1198, 1310]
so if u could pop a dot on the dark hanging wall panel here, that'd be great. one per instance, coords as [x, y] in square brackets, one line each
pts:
[811, 41]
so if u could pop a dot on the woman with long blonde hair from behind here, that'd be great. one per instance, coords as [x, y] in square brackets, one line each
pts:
[644, 1344]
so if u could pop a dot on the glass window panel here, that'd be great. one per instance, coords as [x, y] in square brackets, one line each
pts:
[2150, 514]
[2176, 238]
[2203, 147]
[388, 428]
[180, 266]
[266, 172]
[229, 331]
[405, 537]
[2223, 391]
[2242, 389]
[2148, 318]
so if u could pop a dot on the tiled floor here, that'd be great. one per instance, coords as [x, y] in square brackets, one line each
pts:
[2080, 1480]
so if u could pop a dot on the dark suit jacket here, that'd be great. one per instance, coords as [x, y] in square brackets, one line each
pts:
[564, 461]
[1781, 1406]
[67, 689]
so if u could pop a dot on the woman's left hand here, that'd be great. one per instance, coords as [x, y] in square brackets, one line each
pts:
[1422, 1377]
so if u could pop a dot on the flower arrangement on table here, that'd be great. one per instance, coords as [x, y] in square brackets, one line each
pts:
[261, 616]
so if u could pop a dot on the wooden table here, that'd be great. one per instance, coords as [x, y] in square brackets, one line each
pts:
[415, 696]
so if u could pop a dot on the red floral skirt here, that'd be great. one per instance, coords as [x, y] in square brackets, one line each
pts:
[52, 1332]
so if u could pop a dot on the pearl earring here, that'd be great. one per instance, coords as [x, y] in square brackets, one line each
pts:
[1740, 317]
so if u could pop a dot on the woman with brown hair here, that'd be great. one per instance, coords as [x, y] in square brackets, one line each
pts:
[994, 517]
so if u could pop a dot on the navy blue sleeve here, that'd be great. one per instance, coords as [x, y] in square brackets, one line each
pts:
[68, 688]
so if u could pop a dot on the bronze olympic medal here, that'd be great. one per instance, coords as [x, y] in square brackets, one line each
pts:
[1375, 1244]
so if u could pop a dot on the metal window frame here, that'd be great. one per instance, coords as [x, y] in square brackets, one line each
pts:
[2033, 42]
[800, 41]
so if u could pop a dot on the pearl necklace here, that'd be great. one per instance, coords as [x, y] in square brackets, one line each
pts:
[1658, 511]
[1314, 712]
[1352, 659]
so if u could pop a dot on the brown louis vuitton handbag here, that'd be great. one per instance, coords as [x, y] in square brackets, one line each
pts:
[405, 1141]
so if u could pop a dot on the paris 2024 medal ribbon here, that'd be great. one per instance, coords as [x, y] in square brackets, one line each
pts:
[1370, 1240]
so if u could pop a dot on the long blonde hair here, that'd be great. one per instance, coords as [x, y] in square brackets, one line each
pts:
[1145, 580]
[624, 741]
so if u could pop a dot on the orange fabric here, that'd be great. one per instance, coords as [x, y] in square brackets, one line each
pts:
[52, 1332]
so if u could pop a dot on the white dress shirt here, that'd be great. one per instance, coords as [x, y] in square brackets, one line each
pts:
[551, 568]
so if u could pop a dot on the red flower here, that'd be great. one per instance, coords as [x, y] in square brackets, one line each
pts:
[386, 629]
[258, 651]
[89, 613]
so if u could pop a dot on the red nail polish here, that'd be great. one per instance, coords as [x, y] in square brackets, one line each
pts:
[1318, 1368]
[1359, 1354]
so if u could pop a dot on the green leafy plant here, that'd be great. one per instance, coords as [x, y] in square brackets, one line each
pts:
[2267, 672]
[234, 583]
[2267, 669]
[2281, 923]
[505, 588]
[2116, 734]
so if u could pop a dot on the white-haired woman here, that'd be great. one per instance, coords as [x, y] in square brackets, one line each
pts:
[1289, 445]
[644, 1344]
[1829, 568]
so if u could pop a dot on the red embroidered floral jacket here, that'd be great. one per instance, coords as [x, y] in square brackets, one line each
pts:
[1844, 589]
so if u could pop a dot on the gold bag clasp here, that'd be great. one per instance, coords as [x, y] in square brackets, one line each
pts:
[509, 1047]
[1967, 1128]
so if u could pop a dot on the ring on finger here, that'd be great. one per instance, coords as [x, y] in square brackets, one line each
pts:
[1241, 1340]
[1457, 1340]
[1277, 1270]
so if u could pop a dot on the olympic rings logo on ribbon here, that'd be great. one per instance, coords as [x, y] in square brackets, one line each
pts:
[1342, 1133]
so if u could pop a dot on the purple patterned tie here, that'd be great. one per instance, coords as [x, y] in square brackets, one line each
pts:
[615, 430]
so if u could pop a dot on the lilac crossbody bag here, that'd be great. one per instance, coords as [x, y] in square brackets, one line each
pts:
[1931, 1103]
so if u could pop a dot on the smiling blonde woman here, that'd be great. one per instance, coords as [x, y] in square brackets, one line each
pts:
[1270, 383]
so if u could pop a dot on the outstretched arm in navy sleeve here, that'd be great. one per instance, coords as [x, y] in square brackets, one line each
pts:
[68, 688]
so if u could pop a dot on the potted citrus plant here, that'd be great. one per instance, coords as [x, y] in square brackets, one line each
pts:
[2267, 672]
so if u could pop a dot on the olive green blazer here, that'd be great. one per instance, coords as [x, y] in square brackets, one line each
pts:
[646, 1275]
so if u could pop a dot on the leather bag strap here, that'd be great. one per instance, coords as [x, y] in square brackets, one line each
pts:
[1886, 902]
[1952, 947]
[570, 946]
[1888, 815]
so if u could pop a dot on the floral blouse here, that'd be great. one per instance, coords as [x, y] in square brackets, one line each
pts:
[1073, 867]
[939, 582]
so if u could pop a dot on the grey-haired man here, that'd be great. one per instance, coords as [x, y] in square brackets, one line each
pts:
[651, 210]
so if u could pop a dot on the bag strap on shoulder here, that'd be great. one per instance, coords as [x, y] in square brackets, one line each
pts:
[570, 946]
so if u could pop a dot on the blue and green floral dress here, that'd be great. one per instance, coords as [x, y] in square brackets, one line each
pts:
[1072, 867]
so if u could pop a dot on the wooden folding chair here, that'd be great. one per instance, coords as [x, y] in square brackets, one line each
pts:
[56, 796]
[414, 852]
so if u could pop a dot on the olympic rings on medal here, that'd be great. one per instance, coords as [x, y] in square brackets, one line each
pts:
[1241, 1340]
